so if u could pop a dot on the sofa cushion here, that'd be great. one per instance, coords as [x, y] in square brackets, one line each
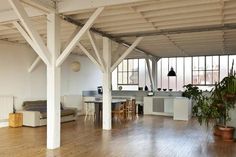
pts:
[65, 112]
[39, 105]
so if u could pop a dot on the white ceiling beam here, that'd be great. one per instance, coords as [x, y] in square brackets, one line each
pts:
[162, 5]
[37, 40]
[74, 33]
[45, 7]
[30, 42]
[176, 12]
[78, 36]
[96, 49]
[75, 5]
[126, 53]
[90, 56]
[22, 31]
[9, 15]
[65, 6]
[34, 64]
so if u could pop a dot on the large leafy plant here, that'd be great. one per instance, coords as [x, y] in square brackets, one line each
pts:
[214, 108]
[192, 92]
[224, 95]
[205, 111]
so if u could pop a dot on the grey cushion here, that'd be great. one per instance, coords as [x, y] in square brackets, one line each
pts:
[39, 105]
[65, 112]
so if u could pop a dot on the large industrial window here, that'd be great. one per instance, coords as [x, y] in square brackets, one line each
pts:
[202, 71]
[205, 70]
[128, 72]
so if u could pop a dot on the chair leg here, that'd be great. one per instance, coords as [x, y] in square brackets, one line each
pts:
[86, 113]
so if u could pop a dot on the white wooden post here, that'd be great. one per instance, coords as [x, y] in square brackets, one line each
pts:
[154, 73]
[150, 73]
[107, 84]
[53, 83]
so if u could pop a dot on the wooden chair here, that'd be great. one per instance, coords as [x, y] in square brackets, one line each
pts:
[119, 112]
[130, 108]
[89, 111]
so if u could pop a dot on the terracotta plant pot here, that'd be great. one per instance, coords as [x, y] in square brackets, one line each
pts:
[217, 131]
[230, 97]
[227, 133]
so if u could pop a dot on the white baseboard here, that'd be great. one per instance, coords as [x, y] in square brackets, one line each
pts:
[3, 124]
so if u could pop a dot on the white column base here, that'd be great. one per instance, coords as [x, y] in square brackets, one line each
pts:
[106, 125]
[53, 108]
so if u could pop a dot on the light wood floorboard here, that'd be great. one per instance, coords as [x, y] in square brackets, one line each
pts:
[148, 136]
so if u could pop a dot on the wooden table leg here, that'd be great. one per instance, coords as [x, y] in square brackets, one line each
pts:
[97, 112]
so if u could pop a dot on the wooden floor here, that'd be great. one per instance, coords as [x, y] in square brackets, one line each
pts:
[149, 136]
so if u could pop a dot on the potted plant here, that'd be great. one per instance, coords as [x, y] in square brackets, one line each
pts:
[215, 109]
[192, 92]
[203, 106]
[224, 98]
[227, 99]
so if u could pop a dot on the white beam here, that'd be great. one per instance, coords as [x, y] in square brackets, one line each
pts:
[96, 49]
[23, 32]
[127, 52]
[150, 73]
[53, 83]
[30, 42]
[75, 5]
[78, 36]
[154, 72]
[43, 6]
[22, 15]
[65, 6]
[71, 37]
[34, 64]
[106, 125]
[10, 15]
[90, 56]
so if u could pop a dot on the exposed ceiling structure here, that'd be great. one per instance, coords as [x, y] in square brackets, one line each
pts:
[169, 27]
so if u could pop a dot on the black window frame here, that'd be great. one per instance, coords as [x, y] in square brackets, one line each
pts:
[127, 71]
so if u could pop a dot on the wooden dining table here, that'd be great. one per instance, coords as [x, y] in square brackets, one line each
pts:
[98, 107]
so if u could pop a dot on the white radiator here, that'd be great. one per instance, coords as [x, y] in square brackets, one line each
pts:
[6, 106]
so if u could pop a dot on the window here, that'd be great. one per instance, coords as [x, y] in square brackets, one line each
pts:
[205, 70]
[198, 70]
[202, 71]
[128, 72]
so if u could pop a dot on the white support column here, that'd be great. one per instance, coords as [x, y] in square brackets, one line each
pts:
[154, 72]
[107, 84]
[53, 83]
[150, 73]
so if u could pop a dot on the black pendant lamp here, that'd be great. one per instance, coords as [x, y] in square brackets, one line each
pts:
[171, 72]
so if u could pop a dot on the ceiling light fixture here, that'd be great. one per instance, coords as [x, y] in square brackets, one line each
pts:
[171, 72]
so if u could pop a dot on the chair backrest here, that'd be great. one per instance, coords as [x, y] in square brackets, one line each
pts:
[121, 107]
[133, 103]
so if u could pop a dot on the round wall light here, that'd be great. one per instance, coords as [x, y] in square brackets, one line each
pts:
[75, 66]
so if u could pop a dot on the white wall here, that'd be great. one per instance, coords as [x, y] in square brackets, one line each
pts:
[15, 59]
